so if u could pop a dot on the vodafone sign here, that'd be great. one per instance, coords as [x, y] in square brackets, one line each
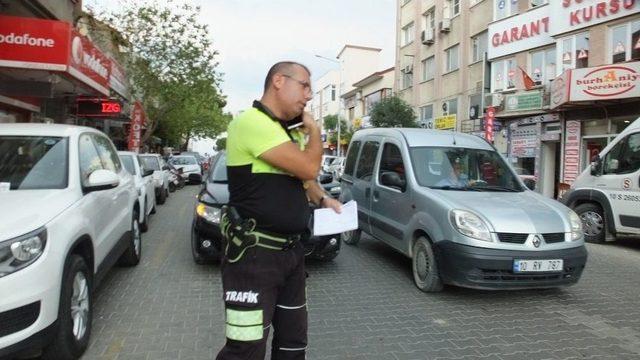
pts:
[30, 43]
[34, 43]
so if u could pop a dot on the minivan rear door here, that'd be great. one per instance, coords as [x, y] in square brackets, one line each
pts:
[358, 176]
[391, 206]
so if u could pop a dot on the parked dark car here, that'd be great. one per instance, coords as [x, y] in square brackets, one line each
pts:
[206, 237]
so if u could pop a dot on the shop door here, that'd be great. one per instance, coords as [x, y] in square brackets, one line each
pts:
[548, 168]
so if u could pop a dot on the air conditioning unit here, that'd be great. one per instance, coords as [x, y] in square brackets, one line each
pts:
[445, 25]
[494, 100]
[427, 36]
[408, 69]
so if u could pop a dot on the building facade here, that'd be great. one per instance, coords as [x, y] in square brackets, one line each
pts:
[563, 80]
[366, 93]
[440, 61]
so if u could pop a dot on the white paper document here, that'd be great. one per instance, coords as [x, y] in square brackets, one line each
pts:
[327, 221]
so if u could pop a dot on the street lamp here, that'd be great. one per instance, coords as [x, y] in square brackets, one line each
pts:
[339, 95]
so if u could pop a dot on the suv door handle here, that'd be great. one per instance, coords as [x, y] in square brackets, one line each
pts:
[376, 195]
[367, 192]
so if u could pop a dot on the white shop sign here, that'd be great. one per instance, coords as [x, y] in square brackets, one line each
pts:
[618, 81]
[571, 15]
[519, 33]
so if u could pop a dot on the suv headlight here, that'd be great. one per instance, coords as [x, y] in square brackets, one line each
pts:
[209, 213]
[20, 252]
[470, 224]
[576, 225]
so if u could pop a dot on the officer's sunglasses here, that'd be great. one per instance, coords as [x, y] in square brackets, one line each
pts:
[305, 85]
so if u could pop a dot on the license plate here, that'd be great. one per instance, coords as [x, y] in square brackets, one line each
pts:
[525, 266]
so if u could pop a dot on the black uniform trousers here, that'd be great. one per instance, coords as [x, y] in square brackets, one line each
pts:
[265, 289]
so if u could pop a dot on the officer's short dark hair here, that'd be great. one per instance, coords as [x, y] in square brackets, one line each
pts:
[281, 67]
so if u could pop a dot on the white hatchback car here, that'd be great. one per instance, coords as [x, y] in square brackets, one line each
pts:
[144, 185]
[69, 211]
[191, 170]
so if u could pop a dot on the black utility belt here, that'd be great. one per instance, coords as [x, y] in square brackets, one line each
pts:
[241, 234]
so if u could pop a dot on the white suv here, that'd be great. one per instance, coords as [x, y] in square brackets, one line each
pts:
[69, 211]
[145, 185]
[161, 174]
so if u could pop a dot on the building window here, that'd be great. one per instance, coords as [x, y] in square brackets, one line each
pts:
[430, 19]
[333, 93]
[407, 80]
[573, 52]
[428, 68]
[503, 74]
[535, 3]
[478, 47]
[450, 107]
[543, 66]
[451, 63]
[454, 7]
[426, 117]
[625, 42]
[504, 8]
[407, 35]
[475, 106]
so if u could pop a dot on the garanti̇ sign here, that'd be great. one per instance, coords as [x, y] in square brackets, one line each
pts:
[608, 82]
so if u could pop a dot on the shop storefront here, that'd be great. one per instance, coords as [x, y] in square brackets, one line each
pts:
[597, 103]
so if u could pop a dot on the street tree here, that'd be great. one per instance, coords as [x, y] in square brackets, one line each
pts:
[171, 64]
[393, 112]
[221, 144]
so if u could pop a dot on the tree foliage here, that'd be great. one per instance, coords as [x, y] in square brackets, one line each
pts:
[393, 112]
[172, 68]
[221, 144]
[331, 122]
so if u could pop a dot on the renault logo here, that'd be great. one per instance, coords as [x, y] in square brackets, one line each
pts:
[537, 241]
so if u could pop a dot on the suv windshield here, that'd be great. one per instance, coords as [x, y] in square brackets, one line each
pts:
[183, 160]
[34, 162]
[219, 171]
[463, 169]
[150, 162]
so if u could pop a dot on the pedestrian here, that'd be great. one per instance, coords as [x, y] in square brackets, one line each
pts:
[272, 172]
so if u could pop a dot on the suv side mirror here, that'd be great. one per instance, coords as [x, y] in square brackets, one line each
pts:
[596, 166]
[166, 167]
[147, 172]
[102, 180]
[392, 180]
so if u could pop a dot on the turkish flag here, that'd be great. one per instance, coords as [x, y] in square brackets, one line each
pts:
[524, 81]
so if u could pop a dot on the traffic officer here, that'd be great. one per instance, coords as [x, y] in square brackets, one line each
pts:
[272, 172]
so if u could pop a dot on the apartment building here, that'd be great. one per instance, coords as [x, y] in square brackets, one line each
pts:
[440, 61]
[554, 85]
[366, 93]
[354, 63]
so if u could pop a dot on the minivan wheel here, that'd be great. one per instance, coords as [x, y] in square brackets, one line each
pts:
[593, 222]
[425, 267]
[131, 256]
[74, 313]
[351, 237]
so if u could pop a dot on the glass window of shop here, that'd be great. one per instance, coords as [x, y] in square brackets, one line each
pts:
[624, 42]
[573, 52]
[503, 73]
[543, 66]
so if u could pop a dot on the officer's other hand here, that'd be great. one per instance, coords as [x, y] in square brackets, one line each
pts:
[308, 122]
[332, 204]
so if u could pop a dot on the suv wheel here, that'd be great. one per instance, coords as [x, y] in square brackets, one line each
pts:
[162, 196]
[593, 222]
[351, 237]
[74, 313]
[425, 266]
[132, 255]
[144, 227]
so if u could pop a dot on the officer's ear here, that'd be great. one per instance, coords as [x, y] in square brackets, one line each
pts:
[278, 81]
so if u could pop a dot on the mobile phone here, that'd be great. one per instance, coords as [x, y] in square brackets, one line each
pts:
[297, 122]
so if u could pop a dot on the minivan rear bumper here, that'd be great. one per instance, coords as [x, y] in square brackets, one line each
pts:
[492, 269]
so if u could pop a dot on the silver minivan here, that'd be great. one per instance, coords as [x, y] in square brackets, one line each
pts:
[451, 203]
